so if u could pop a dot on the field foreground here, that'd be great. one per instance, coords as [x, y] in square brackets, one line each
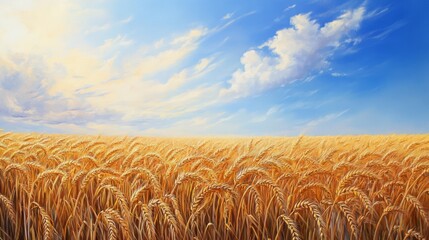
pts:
[81, 187]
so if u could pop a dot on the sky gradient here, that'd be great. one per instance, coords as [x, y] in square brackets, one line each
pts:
[187, 68]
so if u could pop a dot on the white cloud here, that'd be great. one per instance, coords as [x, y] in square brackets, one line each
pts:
[311, 125]
[35, 28]
[204, 124]
[126, 20]
[231, 21]
[165, 56]
[107, 26]
[24, 90]
[185, 76]
[190, 37]
[269, 113]
[294, 53]
[377, 12]
[337, 74]
[228, 16]
[383, 33]
[289, 7]
[135, 97]
[118, 41]
[51, 76]
[34, 37]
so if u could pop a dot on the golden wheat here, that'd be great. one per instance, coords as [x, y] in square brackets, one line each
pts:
[95, 187]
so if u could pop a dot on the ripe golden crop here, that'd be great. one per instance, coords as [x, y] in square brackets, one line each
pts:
[92, 187]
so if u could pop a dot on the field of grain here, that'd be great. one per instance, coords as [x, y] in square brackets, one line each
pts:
[93, 187]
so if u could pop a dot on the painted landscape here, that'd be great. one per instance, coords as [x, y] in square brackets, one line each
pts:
[214, 120]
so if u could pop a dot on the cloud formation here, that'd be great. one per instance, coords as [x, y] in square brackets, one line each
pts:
[293, 54]
[50, 74]
[34, 37]
[71, 68]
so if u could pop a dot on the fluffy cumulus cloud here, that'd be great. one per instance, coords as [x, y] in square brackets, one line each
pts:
[293, 53]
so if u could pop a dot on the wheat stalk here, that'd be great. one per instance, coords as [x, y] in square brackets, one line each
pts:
[9, 208]
[292, 226]
[315, 211]
[351, 219]
[48, 227]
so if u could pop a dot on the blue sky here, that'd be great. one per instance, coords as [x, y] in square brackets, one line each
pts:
[185, 68]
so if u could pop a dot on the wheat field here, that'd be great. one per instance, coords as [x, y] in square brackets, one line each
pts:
[94, 187]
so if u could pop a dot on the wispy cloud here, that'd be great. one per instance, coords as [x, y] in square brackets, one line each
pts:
[383, 33]
[228, 16]
[118, 41]
[126, 20]
[269, 113]
[309, 126]
[107, 26]
[337, 74]
[231, 21]
[289, 8]
[376, 12]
